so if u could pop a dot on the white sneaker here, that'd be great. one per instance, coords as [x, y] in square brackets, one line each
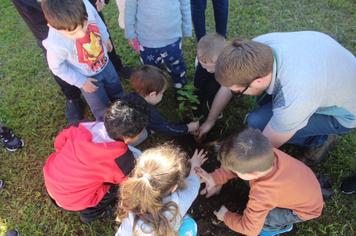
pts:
[178, 85]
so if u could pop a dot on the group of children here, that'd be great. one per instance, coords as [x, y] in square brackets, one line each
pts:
[93, 160]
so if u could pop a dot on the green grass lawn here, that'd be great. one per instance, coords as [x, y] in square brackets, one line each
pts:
[31, 103]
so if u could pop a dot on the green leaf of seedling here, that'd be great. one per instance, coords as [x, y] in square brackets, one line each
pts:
[183, 93]
[195, 100]
[181, 107]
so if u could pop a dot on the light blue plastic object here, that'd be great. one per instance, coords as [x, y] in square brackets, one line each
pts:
[277, 232]
[188, 227]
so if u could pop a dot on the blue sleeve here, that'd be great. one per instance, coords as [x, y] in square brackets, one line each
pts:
[56, 58]
[130, 19]
[186, 18]
[160, 125]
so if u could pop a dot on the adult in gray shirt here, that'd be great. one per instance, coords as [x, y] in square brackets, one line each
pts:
[308, 83]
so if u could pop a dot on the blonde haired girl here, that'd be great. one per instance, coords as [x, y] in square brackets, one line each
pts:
[161, 189]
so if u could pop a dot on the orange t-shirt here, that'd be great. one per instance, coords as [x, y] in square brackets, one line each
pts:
[290, 184]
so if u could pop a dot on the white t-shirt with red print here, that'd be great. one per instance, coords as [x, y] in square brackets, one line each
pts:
[74, 60]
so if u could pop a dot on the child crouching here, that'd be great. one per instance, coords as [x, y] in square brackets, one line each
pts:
[149, 84]
[158, 194]
[90, 162]
[283, 190]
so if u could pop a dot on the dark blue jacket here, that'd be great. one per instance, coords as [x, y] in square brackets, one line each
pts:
[157, 123]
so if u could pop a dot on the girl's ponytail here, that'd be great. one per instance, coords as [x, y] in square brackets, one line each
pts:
[158, 172]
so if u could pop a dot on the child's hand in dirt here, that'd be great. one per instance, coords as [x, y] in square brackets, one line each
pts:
[135, 44]
[211, 188]
[108, 45]
[193, 126]
[198, 159]
[89, 85]
[221, 213]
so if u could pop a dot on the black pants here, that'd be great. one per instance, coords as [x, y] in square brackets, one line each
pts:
[105, 208]
[207, 88]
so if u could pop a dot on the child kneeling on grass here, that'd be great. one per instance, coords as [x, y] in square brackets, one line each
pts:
[77, 52]
[84, 171]
[149, 84]
[159, 192]
[283, 190]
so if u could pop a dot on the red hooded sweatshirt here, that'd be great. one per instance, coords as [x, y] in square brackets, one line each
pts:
[79, 173]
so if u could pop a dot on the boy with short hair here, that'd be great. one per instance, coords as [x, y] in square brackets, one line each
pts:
[89, 161]
[149, 84]
[283, 190]
[31, 12]
[77, 51]
[208, 50]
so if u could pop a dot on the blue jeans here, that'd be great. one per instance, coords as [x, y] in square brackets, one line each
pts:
[109, 89]
[221, 9]
[278, 218]
[171, 56]
[312, 135]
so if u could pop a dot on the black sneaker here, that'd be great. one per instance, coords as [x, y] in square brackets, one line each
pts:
[2, 184]
[74, 110]
[109, 213]
[9, 140]
[316, 155]
[348, 185]
[125, 72]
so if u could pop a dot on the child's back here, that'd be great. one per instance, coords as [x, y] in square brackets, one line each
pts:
[89, 160]
[283, 190]
[182, 198]
[75, 173]
[154, 200]
[155, 29]
[291, 185]
[157, 23]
